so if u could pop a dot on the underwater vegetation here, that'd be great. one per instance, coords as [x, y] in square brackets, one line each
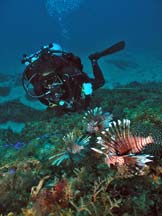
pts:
[27, 114]
[105, 161]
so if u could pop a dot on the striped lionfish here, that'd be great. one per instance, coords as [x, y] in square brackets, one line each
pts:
[96, 121]
[121, 147]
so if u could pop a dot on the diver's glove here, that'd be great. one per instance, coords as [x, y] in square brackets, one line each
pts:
[94, 57]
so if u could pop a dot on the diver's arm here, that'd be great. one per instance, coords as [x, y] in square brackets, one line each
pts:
[98, 80]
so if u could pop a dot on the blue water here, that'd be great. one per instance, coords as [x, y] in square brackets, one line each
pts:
[32, 134]
[27, 25]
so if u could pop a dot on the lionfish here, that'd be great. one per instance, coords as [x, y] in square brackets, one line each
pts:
[120, 146]
[96, 121]
[74, 143]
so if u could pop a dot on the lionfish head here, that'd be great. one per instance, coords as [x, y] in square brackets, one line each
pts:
[75, 142]
[96, 120]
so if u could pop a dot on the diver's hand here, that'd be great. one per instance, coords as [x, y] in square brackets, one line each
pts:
[94, 57]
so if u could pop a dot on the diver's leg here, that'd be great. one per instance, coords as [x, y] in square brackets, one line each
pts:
[98, 80]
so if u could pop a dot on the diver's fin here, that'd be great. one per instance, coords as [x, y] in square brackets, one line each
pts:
[114, 48]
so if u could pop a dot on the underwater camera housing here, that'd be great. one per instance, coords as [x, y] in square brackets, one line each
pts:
[46, 85]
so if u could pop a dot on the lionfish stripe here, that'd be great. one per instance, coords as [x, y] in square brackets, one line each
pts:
[116, 131]
[126, 127]
[98, 151]
[140, 143]
[135, 144]
[126, 133]
[110, 143]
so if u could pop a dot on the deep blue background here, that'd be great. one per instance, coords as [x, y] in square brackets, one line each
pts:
[26, 25]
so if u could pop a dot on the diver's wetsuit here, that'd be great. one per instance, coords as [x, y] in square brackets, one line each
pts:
[71, 66]
[58, 78]
[98, 80]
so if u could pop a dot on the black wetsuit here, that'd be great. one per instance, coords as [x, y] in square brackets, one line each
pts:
[98, 80]
[69, 67]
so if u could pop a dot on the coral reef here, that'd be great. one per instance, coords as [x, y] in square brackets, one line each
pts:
[50, 168]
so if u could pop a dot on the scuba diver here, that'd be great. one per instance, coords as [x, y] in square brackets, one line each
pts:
[57, 79]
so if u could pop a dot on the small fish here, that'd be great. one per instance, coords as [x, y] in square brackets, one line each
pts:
[123, 64]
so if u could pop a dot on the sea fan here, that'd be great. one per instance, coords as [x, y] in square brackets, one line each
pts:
[73, 144]
[96, 121]
[119, 145]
